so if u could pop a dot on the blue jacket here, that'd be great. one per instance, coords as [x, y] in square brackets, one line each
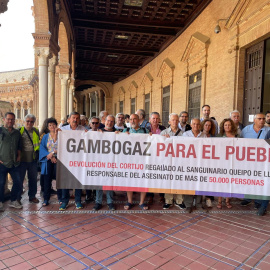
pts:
[43, 152]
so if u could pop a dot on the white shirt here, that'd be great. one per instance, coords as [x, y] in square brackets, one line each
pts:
[189, 133]
[67, 127]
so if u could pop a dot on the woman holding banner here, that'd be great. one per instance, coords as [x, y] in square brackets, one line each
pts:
[227, 130]
[48, 159]
[209, 129]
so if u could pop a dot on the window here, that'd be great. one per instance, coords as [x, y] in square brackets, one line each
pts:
[165, 105]
[132, 105]
[121, 106]
[194, 97]
[18, 113]
[147, 106]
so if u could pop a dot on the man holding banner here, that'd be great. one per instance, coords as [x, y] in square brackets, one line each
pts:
[135, 128]
[195, 132]
[74, 125]
[173, 130]
[109, 127]
[257, 130]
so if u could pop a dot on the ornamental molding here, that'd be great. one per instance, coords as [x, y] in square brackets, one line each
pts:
[166, 63]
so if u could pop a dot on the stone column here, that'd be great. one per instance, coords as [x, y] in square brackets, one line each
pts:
[64, 82]
[51, 86]
[87, 105]
[90, 105]
[42, 54]
[70, 100]
[97, 103]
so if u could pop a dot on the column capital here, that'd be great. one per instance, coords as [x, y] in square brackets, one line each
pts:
[64, 78]
[42, 39]
[53, 61]
[42, 53]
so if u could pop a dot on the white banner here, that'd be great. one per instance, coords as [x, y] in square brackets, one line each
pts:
[228, 167]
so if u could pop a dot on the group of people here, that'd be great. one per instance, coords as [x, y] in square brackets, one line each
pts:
[20, 151]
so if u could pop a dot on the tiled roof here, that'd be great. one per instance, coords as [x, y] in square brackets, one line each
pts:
[15, 75]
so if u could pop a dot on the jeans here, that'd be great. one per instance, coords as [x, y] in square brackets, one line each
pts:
[66, 196]
[16, 190]
[189, 199]
[31, 168]
[99, 195]
[261, 203]
[51, 169]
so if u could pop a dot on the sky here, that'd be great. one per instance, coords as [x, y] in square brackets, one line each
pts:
[16, 40]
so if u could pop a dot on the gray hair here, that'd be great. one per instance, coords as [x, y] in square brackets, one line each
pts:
[119, 114]
[93, 117]
[30, 116]
[173, 114]
[142, 112]
[235, 111]
[74, 113]
[156, 113]
[258, 114]
[82, 116]
[110, 115]
[101, 114]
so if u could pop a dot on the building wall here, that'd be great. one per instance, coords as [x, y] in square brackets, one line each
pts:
[219, 56]
[18, 93]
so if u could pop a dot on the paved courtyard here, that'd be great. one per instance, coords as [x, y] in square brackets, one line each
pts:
[39, 237]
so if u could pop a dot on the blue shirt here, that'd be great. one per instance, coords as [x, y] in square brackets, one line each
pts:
[139, 130]
[145, 124]
[249, 132]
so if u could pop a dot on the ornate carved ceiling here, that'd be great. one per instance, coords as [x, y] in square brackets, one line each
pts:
[115, 38]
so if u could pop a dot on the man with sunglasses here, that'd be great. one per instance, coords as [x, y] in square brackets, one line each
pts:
[29, 156]
[94, 123]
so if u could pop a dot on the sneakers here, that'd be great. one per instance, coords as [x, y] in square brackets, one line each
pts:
[34, 200]
[208, 203]
[97, 206]
[261, 211]
[166, 206]
[245, 203]
[79, 205]
[63, 207]
[111, 207]
[181, 205]
[1, 207]
[15, 204]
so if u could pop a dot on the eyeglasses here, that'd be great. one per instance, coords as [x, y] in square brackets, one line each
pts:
[95, 123]
[32, 122]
